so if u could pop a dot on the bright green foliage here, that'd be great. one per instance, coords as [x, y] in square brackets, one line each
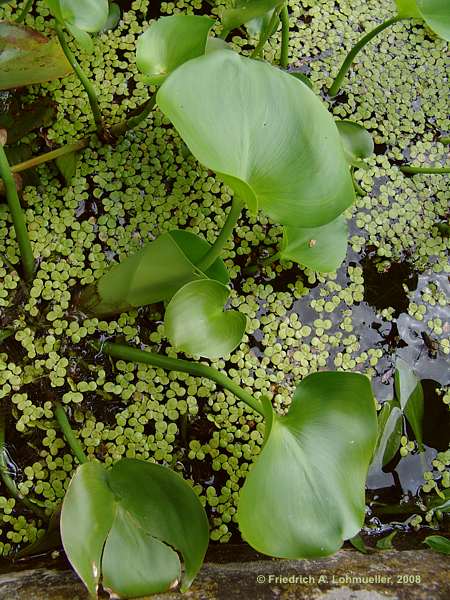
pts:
[125, 525]
[409, 392]
[435, 13]
[264, 133]
[245, 11]
[320, 248]
[357, 142]
[305, 494]
[169, 42]
[86, 15]
[390, 430]
[438, 543]
[195, 322]
[29, 57]
[151, 275]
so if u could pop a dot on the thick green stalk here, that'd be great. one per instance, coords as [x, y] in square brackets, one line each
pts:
[128, 353]
[25, 10]
[358, 188]
[74, 443]
[48, 156]
[216, 249]
[136, 119]
[89, 88]
[268, 32]
[17, 214]
[284, 56]
[429, 170]
[334, 89]
[9, 483]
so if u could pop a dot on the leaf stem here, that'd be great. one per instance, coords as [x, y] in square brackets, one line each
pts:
[335, 87]
[216, 249]
[48, 156]
[128, 353]
[267, 34]
[135, 119]
[10, 484]
[89, 88]
[429, 170]
[25, 10]
[17, 214]
[74, 443]
[284, 56]
[358, 189]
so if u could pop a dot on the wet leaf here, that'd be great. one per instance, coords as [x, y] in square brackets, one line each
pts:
[438, 543]
[321, 249]
[357, 542]
[125, 525]
[153, 274]
[305, 494]
[28, 57]
[280, 151]
[385, 543]
[357, 142]
[245, 11]
[195, 321]
[170, 42]
[390, 430]
[409, 392]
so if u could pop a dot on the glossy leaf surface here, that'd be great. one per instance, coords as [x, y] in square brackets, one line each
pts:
[320, 248]
[28, 57]
[245, 11]
[409, 392]
[305, 494]
[87, 15]
[125, 525]
[264, 133]
[438, 543]
[195, 321]
[357, 142]
[170, 42]
[152, 274]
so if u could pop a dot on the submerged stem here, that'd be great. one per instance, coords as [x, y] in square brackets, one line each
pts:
[74, 443]
[25, 10]
[89, 88]
[128, 353]
[48, 156]
[334, 89]
[17, 214]
[284, 56]
[429, 170]
[216, 249]
[10, 484]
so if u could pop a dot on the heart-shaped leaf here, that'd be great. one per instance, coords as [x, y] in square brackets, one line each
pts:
[87, 15]
[245, 11]
[357, 142]
[409, 392]
[195, 322]
[390, 430]
[265, 134]
[305, 494]
[320, 248]
[169, 42]
[438, 543]
[152, 275]
[435, 13]
[28, 57]
[124, 527]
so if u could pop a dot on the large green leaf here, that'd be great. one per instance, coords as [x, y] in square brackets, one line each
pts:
[87, 15]
[305, 494]
[320, 248]
[151, 275]
[265, 134]
[195, 321]
[435, 13]
[124, 526]
[409, 392]
[170, 42]
[28, 57]
[357, 142]
[247, 10]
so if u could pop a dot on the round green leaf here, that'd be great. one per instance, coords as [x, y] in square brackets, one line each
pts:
[195, 322]
[152, 275]
[305, 494]
[245, 11]
[169, 42]
[87, 15]
[320, 248]
[28, 57]
[436, 14]
[408, 9]
[124, 527]
[357, 142]
[265, 134]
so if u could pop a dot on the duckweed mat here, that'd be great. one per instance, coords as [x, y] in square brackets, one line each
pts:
[388, 300]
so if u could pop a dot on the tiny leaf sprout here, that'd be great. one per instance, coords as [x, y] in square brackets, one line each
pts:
[358, 146]
[433, 13]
